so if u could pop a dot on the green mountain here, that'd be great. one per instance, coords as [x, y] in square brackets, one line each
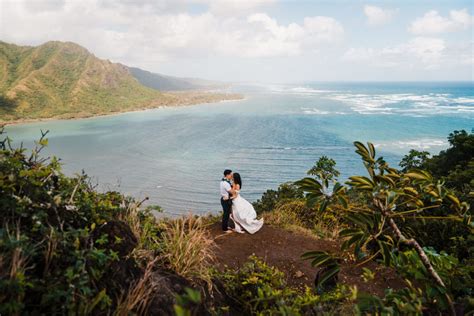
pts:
[64, 80]
[170, 83]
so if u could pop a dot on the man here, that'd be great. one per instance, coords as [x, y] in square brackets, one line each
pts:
[226, 201]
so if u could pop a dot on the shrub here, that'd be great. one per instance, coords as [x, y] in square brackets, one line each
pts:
[53, 256]
[407, 301]
[271, 198]
[455, 167]
[259, 289]
[377, 229]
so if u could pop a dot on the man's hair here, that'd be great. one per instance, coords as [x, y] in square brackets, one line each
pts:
[227, 172]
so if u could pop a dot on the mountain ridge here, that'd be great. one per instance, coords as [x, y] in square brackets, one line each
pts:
[170, 83]
[64, 80]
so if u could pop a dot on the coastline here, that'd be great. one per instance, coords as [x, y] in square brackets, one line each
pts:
[190, 98]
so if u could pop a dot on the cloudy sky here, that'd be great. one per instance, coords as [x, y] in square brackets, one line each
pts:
[260, 40]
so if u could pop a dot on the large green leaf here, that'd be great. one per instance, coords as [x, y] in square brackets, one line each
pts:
[328, 274]
[319, 258]
[418, 174]
[361, 183]
[309, 185]
[364, 221]
[386, 251]
[356, 238]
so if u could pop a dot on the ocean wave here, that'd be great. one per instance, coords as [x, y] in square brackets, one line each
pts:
[304, 90]
[464, 100]
[405, 103]
[315, 111]
[434, 144]
[297, 90]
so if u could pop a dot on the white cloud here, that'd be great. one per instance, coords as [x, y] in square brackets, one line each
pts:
[433, 23]
[132, 31]
[378, 16]
[428, 51]
[222, 7]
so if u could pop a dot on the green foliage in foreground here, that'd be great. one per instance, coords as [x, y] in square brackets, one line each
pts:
[57, 257]
[376, 231]
[53, 255]
[455, 168]
[259, 289]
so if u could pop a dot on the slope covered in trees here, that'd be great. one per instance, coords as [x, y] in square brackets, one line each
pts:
[64, 80]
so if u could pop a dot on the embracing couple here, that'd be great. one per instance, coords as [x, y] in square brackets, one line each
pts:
[236, 207]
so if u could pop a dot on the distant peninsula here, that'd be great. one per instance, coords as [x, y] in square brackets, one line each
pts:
[62, 80]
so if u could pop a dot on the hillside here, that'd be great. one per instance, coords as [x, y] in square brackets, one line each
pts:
[64, 80]
[170, 83]
[67, 248]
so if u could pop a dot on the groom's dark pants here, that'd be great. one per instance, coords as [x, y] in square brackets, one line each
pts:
[226, 207]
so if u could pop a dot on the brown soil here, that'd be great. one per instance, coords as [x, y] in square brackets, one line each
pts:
[283, 249]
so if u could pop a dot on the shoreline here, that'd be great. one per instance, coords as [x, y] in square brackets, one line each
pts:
[230, 97]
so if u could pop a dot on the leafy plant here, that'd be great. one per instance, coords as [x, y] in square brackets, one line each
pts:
[414, 159]
[187, 304]
[407, 301]
[60, 239]
[394, 197]
[271, 198]
[318, 190]
[329, 269]
[259, 289]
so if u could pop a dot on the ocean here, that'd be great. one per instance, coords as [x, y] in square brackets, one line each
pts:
[175, 156]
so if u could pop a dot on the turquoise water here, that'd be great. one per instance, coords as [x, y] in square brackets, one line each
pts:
[176, 155]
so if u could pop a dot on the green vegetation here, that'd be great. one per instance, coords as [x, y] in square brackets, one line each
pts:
[258, 289]
[271, 198]
[59, 79]
[397, 202]
[64, 80]
[67, 249]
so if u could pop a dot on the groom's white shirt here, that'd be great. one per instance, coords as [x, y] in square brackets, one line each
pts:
[225, 188]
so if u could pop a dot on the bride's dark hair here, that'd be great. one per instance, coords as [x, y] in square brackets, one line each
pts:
[237, 179]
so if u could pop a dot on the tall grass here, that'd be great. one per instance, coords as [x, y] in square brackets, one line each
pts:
[187, 248]
[13, 266]
[146, 228]
[138, 297]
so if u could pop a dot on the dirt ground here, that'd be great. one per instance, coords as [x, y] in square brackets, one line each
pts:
[283, 249]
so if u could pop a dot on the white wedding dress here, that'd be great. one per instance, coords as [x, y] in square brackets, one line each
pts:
[244, 215]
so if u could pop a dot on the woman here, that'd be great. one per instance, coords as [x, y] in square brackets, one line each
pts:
[243, 213]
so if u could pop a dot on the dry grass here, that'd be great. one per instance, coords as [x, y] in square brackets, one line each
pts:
[287, 221]
[296, 216]
[187, 248]
[139, 295]
[143, 226]
[131, 216]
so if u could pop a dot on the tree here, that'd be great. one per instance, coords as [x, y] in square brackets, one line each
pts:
[414, 159]
[318, 188]
[271, 198]
[455, 165]
[393, 197]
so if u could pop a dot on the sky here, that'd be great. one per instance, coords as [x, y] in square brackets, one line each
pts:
[267, 41]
